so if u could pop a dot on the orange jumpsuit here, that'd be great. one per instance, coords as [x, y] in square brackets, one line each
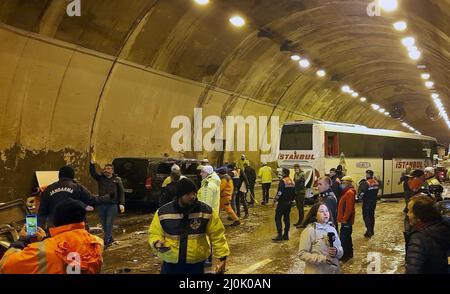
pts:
[226, 191]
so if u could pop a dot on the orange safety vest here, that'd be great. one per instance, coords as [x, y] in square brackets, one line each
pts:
[54, 255]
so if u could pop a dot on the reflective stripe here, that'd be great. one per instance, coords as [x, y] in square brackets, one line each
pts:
[11, 251]
[190, 236]
[200, 215]
[42, 258]
[170, 216]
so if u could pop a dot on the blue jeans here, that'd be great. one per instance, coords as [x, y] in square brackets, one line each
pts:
[107, 214]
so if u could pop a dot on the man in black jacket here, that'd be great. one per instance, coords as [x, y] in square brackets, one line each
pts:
[66, 187]
[428, 242]
[251, 177]
[111, 195]
[368, 193]
[285, 197]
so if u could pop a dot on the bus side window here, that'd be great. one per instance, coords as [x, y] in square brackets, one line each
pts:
[332, 144]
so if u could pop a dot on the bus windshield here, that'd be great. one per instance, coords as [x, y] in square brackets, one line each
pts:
[296, 137]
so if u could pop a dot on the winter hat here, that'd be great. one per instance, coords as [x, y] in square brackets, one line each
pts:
[208, 169]
[185, 186]
[66, 172]
[222, 171]
[69, 211]
[175, 167]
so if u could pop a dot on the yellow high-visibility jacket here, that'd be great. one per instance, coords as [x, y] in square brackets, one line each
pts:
[209, 192]
[187, 235]
[265, 173]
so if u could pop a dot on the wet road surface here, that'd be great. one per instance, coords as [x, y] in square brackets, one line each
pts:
[253, 251]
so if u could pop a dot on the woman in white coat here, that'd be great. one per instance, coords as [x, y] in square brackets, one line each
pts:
[315, 249]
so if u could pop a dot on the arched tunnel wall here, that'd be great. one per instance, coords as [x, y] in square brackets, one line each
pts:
[49, 93]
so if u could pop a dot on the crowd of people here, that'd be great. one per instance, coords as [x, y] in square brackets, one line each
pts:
[186, 232]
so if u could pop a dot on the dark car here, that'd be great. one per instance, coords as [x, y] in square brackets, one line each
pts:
[142, 177]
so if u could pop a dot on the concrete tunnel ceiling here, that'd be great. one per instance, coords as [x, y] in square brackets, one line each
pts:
[197, 43]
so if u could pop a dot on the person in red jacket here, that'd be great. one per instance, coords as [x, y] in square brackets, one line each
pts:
[346, 216]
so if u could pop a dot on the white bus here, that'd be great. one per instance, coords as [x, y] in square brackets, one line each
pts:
[318, 146]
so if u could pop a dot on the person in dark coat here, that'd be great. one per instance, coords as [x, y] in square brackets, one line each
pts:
[428, 241]
[285, 197]
[241, 196]
[300, 191]
[66, 187]
[251, 177]
[335, 183]
[327, 196]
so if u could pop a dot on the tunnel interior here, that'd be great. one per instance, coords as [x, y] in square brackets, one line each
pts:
[111, 80]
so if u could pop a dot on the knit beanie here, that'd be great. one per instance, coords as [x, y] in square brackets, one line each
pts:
[185, 186]
[69, 211]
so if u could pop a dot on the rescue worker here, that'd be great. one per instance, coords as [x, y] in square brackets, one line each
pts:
[327, 196]
[285, 196]
[299, 181]
[66, 187]
[240, 163]
[226, 192]
[265, 173]
[428, 241]
[251, 177]
[168, 190]
[346, 216]
[180, 230]
[369, 191]
[112, 197]
[209, 191]
[432, 184]
[68, 241]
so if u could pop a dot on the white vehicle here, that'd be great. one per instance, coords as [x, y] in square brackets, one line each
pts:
[318, 146]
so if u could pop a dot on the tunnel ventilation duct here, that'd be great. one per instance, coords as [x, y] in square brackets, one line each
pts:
[397, 111]
[432, 113]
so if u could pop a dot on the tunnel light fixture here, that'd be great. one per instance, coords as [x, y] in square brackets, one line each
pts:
[237, 21]
[400, 26]
[425, 76]
[345, 89]
[382, 110]
[351, 91]
[429, 84]
[295, 57]
[304, 63]
[321, 73]
[375, 106]
[387, 113]
[415, 55]
[412, 48]
[363, 99]
[201, 2]
[388, 5]
[435, 95]
[355, 94]
[404, 124]
[408, 41]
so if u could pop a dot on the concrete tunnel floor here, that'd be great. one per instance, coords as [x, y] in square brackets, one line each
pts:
[252, 250]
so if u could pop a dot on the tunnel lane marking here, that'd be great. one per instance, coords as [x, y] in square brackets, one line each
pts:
[255, 266]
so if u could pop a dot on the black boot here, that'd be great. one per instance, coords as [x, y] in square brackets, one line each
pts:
[278, 237]
[286, 236]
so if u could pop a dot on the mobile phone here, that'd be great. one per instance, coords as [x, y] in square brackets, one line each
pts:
[31, 224]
